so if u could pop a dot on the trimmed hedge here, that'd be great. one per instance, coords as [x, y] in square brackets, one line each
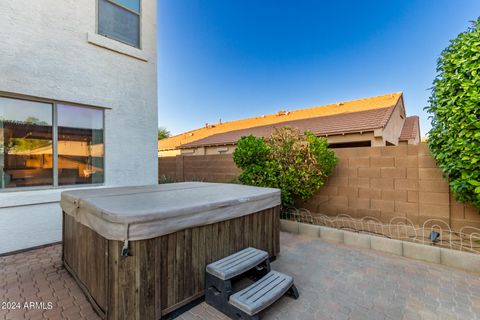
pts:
[455, 107]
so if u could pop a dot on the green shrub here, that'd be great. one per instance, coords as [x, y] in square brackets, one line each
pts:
[250, 151]
[295, 163]
[455, 107]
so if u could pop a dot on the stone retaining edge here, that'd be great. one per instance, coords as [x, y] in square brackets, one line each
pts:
[452, 258]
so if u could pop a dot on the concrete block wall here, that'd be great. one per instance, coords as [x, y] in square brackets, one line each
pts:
[381, 182]
[215, 168]
[388, 182]
[167, 166]
[211, 168]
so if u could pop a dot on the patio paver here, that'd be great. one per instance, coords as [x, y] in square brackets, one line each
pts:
[334, 281]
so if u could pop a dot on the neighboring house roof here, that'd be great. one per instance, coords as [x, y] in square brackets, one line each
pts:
[365, 104]
[411, 129]
[320, 126]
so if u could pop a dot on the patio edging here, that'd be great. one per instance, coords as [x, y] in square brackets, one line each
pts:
[452, 258]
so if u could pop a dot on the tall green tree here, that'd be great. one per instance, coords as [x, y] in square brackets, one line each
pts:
[163, 133]
[454, 106]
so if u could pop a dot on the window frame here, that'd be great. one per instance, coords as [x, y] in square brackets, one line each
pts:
[139, 14]
[54, 105]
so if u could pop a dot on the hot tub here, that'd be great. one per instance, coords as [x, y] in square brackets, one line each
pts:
[141, 252]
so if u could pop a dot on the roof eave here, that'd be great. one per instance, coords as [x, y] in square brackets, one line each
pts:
[340, 133]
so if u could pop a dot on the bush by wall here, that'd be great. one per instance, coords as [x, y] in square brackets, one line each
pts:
[455, 107]
[296, 163]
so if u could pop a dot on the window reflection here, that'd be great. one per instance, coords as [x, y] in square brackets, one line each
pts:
[25, 143]
[80, 145]
[116, 22]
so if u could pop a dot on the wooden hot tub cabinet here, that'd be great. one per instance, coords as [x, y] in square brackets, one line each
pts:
[163, 273]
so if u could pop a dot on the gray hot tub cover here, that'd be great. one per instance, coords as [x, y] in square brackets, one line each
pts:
[144, 212]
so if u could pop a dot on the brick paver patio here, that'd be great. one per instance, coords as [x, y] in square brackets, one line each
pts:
[335, 282]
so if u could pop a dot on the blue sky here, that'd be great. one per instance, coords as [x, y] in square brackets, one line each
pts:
[225, 59]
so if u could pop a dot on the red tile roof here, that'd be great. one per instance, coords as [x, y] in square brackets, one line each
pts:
[354, 106]
[411, 128]
[330, 125]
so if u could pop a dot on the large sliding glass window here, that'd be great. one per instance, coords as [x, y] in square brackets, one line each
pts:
[120, 20]
[26, 143]
[80, 145]
[48, 144]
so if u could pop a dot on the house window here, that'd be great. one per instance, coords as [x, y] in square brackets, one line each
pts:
[80, 145]
[120, 20]
[49, 144]
[26, 143]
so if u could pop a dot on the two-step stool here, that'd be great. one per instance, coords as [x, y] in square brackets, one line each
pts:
[246, 304]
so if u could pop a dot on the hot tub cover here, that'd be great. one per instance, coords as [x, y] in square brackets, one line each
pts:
[144, 212]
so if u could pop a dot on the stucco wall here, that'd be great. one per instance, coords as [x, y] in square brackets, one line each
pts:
[50, 50]
[394, 127]
[29, 226]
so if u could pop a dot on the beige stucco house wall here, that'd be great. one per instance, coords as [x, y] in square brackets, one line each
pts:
[391, 133]
[51, 51]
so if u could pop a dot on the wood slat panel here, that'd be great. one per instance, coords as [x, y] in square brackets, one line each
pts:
[269, 227]
[208, 240]
[170, 255]
[202, 258]
[114, 249]
[238, 224]
[195, 260]
[164, 267]
[215, 244]
[188, 286]
[161, 267]
[179, 275]
[85, 250]
[276, 230]
[127, 286]
[145, 263]
[164, 273]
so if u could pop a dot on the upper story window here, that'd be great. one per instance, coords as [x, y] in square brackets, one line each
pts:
[120, 20]
[48, 144]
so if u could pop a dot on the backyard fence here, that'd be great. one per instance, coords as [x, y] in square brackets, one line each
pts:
[211, 168]
[379, 182]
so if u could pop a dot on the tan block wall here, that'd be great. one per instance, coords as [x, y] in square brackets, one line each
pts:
[381, 182]
[167, 167]
[209, 168]
[387, 182]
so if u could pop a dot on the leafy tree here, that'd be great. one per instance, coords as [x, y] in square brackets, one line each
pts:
[455, 107]
[295, 163]
[36, 121]
[163, 133]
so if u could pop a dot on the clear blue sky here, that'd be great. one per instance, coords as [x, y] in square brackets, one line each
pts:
[235, 59]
